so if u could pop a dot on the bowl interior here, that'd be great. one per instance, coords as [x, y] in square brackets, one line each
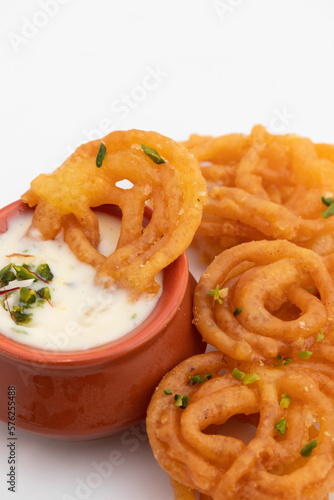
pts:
[175, 279]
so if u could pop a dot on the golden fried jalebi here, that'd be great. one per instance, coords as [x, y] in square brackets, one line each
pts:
[264, 186]
[160, 170]
[267, 298]
[292, 453]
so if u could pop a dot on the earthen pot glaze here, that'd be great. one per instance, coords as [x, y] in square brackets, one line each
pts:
[90, 394]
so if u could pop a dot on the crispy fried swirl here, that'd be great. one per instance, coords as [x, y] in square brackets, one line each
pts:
[175, 189]
[285, 296]
[192, 444]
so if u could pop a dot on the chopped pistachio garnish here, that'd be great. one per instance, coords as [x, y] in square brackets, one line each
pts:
[218, 294]
[152, 153]
[247, 378]
[27, 295]
[237, 311]
[320, 335]
[181, 401]
[282, 362]
[250, 378]
[238, 374]
[6, 275]
[280, 426]
[44, 293]
[198, 379]
[44, 271]
[305, 354]
[19, 316]
[285, 401]
[101, 155]
[22, 273]
[11, 277]
[168, 392]
[307, 449]
[329, 202]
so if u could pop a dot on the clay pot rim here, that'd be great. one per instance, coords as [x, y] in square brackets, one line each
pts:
[174, 286]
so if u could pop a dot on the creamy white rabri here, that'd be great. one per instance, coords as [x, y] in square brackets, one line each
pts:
[80, 315]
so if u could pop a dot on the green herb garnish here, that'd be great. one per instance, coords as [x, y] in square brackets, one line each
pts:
[320, 335]
[44, 272]
[237, 311]
[19, 316]
[305, 354]
[218, 294]
[285, 401]
[198, 379]
[249, 378]
[6, 275]
[282, 362]
[101, 155]
[307, 449]
[280, 426]
[22, 273]
[181, 401]
[329, 202]
[168, 392]
[152, 153]
[26, 297]
[44, 293]
[238, 374]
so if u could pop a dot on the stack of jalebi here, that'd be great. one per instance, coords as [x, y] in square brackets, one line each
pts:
[267, 305]
[160, 170]
[264, 186]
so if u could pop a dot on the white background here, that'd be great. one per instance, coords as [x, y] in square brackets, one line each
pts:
[74, 70]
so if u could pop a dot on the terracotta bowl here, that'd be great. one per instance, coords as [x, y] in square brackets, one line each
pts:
[91, 394]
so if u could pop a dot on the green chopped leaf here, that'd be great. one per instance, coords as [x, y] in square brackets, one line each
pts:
[22, 273]
[27, 295]
[327, 201]
[6, 275]
[19, 316]
[284, 361]
[101, 155]
[250, 378]
[198, 379]
[328, 212]
[305, 354]
[44, 293]
[168, 392]
[237, 311]
[285, 401]
[320, 335]
[280, 426]
[218, 294]
[238, 374]
[181, 401]
[306, 451]
[44, 272]
[152, 153]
